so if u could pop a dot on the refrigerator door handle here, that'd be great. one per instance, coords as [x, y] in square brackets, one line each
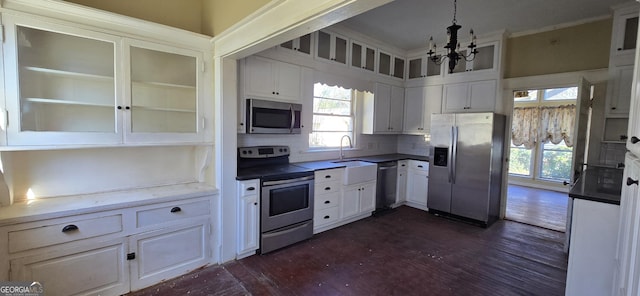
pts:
[450, 155]
[454, 160]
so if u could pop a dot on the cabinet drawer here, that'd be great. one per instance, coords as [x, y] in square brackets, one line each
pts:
[419, 165]
[246, 188]
[327, 187]
[58, 233]
[326, 216]
[328, 175]
[173, 212]
[324, 201]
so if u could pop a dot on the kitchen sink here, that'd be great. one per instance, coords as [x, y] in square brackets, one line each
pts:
[358, 171]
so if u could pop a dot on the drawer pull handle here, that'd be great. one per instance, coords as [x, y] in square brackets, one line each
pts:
[631, 181]
[69, 227]
[327, 217]
[175, 209]
[327, 177]
[326, 202]
[420, 166]
[327, 188]
[634, 140]
[251, 188]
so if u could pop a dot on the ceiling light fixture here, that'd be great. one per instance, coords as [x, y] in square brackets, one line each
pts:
[452, 46]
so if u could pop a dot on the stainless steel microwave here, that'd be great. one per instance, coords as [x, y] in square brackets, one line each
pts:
[271, 117]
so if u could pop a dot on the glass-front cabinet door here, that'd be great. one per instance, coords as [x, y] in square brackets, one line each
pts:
[163, 93]
[61, 84]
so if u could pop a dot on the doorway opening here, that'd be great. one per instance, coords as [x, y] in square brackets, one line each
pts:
[542, 156]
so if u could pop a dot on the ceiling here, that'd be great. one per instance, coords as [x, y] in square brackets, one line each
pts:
[408, 24]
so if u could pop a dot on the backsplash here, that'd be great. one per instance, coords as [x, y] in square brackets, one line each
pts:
[612, 153]
[416, 145]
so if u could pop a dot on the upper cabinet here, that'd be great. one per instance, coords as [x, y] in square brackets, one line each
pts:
[331, 46]
[621, 58]
[70, 86]
[619, 90]
[485, 59]
[363, 56]
[419, 104]
[423, 67]
[625, 32]
[477, 96]
[266, 78]
[383, 112]
[302, 44]
[389, 64]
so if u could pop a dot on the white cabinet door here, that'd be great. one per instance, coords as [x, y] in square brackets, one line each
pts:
[456, 97]
[350, 201]
[627, 259]
[367, 198]
[396, 109]
[332, 47]
[482, 96]
[625, 30]
[401, 184]
[382, 104]
[98, 269]
[363, 56]
[248, 217]
[168, 253]
[620, 93]
[417, 186]
[266, 78]
[383, 112]
[420, 103]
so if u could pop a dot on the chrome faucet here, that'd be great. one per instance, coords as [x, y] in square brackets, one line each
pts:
[342, 140]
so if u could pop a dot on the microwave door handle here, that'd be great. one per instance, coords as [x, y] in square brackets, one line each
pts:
[293, 118]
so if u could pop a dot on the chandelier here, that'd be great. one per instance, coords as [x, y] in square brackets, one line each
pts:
[452, 46]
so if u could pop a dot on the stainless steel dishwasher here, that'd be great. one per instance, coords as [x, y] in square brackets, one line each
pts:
[386, 185]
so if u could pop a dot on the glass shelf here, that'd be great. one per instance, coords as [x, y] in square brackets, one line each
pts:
[68, 73]
[66, 102]
[164, 84]
[148, 108]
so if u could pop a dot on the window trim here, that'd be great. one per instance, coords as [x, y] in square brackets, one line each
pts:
[352, 115]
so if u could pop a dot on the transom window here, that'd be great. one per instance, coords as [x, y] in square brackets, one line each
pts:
[333, 116]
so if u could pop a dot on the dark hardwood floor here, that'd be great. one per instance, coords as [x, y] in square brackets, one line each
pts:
[538, 207]
[404, 252]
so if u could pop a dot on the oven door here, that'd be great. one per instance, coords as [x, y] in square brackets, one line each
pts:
[286, 202]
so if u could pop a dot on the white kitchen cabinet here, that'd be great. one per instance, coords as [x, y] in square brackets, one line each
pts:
[594, 231]
[331, 46]
[363, 56]
[248, 217]
[401, 182]
[476, 96]
[419, 104]
[97, 268]
[417, 184]
[619, 91]
[624, 31]
[383, 112]
[266, 78]
[486, 59]
[71, 86]
[327, 199]
[167, 253]
[108, 252]
[421, 67]
[626, 278]
[302, 44]
[390, 64]
[358, 199]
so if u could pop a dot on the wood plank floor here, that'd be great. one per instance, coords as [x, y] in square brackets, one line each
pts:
[538, 207]
[404, 252]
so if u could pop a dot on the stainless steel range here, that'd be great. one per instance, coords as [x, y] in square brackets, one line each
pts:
[286, 199]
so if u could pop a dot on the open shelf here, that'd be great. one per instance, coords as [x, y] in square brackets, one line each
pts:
[163, 84]
[149, 108]
[67, 102]
[68, 73]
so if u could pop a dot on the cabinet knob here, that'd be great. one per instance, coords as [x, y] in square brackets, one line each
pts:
[255, 203]
[634, 140]
[127, 107]
[631, 181]
[119, 107]
[613, 108]
[251, 188]
[327, 188]
[327, 177]
[326, 202]
[619, 48]
[273, 92]
[176, 209]
[420, 166]
[623, 137]
[327, 217]
[69, 228]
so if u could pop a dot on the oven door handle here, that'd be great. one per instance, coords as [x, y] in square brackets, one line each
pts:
[287, 181]
[285, 230]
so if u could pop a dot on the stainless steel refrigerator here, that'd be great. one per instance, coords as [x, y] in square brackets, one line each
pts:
[465, 166]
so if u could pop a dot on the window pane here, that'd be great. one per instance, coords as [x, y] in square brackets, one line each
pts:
[520, 161]
[330, 106]
[327, 139]
[565, 93]
[556, 162]
[525, 96]
[326, 123]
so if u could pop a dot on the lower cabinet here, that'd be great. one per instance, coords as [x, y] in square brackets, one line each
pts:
[110, 253]
[417, 184]
[248, 217]
[358, 199]
[401, 183]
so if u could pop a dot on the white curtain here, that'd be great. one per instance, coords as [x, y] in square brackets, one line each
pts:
[533, 125]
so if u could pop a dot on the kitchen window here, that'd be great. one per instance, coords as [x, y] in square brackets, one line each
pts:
[542, 134]
[333, 116]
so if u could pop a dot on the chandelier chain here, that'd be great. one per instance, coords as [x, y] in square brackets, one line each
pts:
[455, 9]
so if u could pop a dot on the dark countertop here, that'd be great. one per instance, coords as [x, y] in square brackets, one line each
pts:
[598, 184]
[248, 174]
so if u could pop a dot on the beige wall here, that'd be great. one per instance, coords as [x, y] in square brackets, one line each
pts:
[209, 17]
[577, 48]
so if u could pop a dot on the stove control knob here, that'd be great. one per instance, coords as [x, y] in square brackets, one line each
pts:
[244, 151]
[250, 152]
